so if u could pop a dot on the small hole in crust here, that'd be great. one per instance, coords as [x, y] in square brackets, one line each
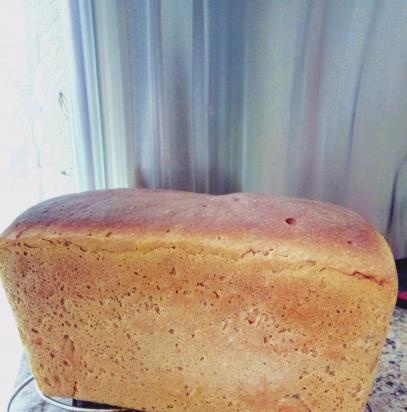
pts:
[349, 242]
[290, 221]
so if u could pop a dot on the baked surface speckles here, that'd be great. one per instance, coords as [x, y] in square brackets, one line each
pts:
[247, 219]
[175, 301]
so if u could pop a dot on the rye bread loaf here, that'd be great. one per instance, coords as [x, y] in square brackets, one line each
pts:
[174, 301]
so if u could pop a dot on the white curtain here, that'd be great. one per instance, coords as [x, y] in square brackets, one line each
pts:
[294, 98]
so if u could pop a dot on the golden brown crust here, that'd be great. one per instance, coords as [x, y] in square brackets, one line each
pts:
[256, 221]
[172, 301]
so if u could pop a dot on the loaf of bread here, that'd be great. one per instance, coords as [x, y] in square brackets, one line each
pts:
[173, 301]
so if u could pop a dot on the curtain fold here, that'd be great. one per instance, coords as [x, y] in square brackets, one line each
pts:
[284, 97]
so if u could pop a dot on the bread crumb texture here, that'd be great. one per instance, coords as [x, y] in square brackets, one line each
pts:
[170, 301]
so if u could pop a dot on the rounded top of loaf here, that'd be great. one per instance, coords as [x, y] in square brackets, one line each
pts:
[244, 223]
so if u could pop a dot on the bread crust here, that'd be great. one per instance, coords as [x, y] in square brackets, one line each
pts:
[164, 300]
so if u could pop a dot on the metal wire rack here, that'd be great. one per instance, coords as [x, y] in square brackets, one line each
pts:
[72, 408]
[56, 402]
